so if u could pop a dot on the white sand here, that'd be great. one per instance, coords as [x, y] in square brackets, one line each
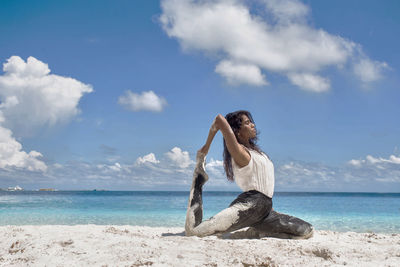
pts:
[96, 245]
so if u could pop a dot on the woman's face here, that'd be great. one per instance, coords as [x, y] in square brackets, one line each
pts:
[247, 130]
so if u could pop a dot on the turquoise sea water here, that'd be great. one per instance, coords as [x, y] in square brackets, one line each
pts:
[359, 212]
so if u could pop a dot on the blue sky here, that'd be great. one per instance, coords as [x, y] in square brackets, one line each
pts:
[119, 95]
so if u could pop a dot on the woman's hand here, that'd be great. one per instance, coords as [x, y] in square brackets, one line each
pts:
[213, 131]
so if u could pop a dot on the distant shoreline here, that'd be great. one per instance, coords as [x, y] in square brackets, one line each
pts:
[279, 193]
[206, 191]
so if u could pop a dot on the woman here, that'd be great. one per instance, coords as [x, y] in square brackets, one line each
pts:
[253, 171]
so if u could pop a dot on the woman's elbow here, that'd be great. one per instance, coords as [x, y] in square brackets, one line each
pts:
[219, 120]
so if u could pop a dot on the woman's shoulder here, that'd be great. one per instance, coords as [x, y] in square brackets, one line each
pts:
[249, 151]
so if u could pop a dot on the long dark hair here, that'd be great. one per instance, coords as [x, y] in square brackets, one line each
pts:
[235, 121]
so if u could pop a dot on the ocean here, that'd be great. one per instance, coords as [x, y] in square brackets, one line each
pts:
[358, 212]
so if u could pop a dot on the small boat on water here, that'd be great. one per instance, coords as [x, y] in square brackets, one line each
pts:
[16, 188]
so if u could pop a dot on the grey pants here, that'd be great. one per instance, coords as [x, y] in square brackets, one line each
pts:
[250, 209]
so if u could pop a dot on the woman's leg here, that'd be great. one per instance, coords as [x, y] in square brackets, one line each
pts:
[249, 208]
[194, 214]
[283, 226]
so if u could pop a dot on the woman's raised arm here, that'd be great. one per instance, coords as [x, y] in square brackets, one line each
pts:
[237, 151]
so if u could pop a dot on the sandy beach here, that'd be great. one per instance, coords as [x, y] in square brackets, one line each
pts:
[98, 245]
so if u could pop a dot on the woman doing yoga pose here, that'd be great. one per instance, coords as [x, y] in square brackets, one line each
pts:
[253, 172]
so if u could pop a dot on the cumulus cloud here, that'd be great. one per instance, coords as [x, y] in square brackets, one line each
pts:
[9, 101]
[279, 40]
[355, 162]
[307, 175]
[116, 167]
[368, 70]
[240, 73]
[286, 11]
[31, 98]
[174, 171]
[179, 158]
[213, 163]
[217, 177]
[216, 167]
[371, 160]
[11, 154]
[151, 158]
[368, 174]
[289, 176]
[381, 169]
[147, 100]
[310, 82]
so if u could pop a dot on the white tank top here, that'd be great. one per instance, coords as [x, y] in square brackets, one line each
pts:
[257, 175]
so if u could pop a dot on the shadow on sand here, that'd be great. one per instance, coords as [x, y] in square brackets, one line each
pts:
[249, 233]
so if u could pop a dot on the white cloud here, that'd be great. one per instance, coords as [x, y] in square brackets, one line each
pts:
[179, 158]
[394, 159]
[310, 82]
[251, 43]
[147, 100]
[286, 11]
[11, 154]
[371, 160]
[241, 73]
[116, 167]
[380, 169]
[215, 163]
[356, 162]
[369, 174]
[146, 173]
[30, 98]
[216, 167]
[216, 174]
[9, 101]
[151, 158]
[368, 70]
[308, 175]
